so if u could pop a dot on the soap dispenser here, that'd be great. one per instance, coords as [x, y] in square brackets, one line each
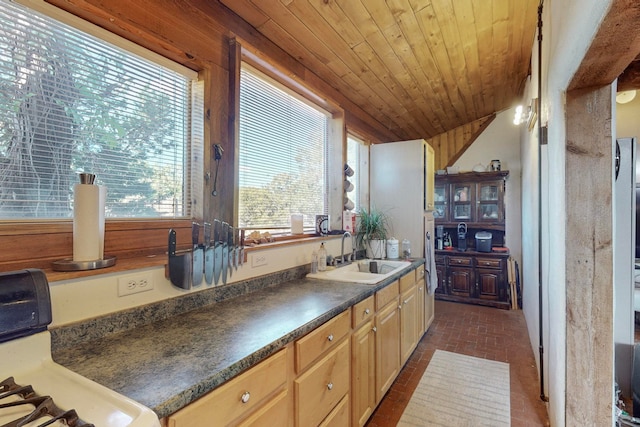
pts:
[322, 258]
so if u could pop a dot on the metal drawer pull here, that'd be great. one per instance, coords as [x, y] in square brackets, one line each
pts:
[367, 311]
[330, 386]
[330, 337]
[245, 397]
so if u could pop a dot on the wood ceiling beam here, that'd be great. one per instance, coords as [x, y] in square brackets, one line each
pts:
[630, 78]
[609, 54]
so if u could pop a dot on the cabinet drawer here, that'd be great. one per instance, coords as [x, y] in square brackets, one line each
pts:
[419, 273]
[319, 389]
[488, 262]
[455, 260]
[388, 294]
[275, 412]
[407, 281]
[339, 417]
[225, 403]
[362, 311]
[312, 345]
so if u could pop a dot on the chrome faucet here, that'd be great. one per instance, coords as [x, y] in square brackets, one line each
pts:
[346, 234]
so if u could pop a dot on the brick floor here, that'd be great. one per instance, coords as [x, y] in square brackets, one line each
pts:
[484, 332]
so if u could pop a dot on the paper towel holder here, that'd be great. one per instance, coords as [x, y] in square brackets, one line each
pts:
[68, 264]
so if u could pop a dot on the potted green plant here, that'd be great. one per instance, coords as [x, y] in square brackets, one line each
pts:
[371, 232]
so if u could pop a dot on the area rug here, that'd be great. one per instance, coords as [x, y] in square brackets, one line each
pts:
[458, 390]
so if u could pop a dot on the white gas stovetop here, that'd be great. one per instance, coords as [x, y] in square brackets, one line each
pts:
[28, 360]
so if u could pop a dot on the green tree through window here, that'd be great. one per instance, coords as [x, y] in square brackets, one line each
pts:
[69, 102]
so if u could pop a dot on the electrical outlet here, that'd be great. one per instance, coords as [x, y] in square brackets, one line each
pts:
[258, 260]
[134, 283]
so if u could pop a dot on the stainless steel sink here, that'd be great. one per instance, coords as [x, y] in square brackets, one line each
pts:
[359, 271]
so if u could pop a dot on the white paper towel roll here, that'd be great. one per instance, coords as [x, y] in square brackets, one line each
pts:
[86, 218]
[101, 205]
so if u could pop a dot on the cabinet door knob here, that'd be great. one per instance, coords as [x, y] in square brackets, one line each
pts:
[374, 329]
[330, 386]
[330, 337]
[367, 311]
[245, 397]
[405, 302]
[399, 307]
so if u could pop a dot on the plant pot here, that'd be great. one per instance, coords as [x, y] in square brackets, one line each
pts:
[376, 249]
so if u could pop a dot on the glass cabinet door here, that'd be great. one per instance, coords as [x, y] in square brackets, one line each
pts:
[489, 202]
[462, 196]
[440, 202]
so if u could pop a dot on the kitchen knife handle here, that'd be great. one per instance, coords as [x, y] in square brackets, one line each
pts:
[216, 230]
[207, 234]
[195, 233]
[172, 242]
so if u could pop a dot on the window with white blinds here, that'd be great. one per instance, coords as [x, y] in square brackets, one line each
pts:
[71, 102]
[283, 154]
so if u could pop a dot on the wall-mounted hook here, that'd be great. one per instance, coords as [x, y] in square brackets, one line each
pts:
[217, 150]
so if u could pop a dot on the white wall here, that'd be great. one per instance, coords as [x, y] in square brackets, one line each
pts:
[628, 118]
[568, 29]
[501, 140]
[86, 298]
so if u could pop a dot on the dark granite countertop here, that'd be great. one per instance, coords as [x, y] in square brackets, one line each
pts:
[168, 363]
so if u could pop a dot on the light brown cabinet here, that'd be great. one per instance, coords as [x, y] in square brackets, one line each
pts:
[254, 390]
[322, 387]
[408, 323]
[332, 377]
[387, 325]
[323, 360]
[363, 362]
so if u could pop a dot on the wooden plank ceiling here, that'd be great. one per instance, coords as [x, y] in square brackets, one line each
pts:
[419, 67]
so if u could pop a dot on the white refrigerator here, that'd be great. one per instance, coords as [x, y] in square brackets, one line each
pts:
[401, 185]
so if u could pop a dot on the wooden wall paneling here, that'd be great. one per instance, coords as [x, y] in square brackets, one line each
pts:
[405, 85]
[233, 124]
[502, 53]
[36, 245]
[466, 25]
[484, 30]
[222, 205]
[449, 146]
[172, 29]
[460, 97]
[337, 46]
[433, 35]
[434, 90]
[289, 60]
[374, 44]
[589, 257]
[249, 11]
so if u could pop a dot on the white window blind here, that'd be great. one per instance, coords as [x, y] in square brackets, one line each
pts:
[282, 155]
[69, 103]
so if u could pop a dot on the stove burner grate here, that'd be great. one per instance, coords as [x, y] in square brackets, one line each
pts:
[43, 406]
